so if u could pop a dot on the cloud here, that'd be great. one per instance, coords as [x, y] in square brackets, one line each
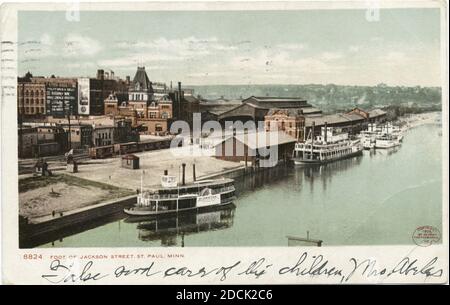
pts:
[354, 49]
[183, 47]
[46, 40]
[78, 65]
[328, 56]
[77, 45]
[138, 59]
[43, 47]
[165, 51]
[395, 57]
[266, 66]
[291, 46]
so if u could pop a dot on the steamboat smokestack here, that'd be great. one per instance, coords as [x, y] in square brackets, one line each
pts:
[326, 132]
[166, 172]
[193, 172]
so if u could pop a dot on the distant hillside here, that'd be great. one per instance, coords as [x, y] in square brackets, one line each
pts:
[333, 97]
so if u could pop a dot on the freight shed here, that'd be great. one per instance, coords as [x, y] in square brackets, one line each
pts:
[262, 148]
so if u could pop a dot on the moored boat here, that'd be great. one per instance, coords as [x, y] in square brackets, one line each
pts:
[386, 141]
[173, 198]
[330, 146]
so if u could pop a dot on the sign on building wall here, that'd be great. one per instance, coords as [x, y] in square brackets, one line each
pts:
[60, 100]
[83, 96]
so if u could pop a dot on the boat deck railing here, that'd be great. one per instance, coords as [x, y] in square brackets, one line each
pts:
[194, 194]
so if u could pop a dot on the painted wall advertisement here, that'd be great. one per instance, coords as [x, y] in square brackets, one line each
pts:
[61, 100]
[83, 96]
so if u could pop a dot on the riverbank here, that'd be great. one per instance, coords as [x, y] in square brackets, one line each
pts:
[56, 195]
[415, 120]
[98, 181]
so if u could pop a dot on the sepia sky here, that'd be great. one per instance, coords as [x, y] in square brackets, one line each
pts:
[251, 47]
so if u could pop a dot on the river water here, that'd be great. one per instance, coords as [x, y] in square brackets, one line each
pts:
[379, 198]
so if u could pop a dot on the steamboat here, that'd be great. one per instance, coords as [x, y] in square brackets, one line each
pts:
[368, 137]
[172, 198]
[386, 140]
[385, 136]
[330, 146]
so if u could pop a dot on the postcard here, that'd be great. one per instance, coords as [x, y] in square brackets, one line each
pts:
[289, 142]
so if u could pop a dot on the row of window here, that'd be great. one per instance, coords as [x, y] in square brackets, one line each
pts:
[35, 101]
[33, 110]
[104, 135]
[138, 97]
[34, 92]
[154, 115]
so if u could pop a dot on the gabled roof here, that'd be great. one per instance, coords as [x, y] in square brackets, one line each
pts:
[143, 80]
[333, 119]
[262, 139]
[130, 157]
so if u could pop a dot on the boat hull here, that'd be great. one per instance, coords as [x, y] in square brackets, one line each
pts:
[212, 208]
[143, 212]
[387, 145]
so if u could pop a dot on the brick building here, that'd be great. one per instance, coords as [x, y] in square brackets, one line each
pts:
[39, 141]
[149, 105]
[291, 121]
[30, 97]
[80, 135]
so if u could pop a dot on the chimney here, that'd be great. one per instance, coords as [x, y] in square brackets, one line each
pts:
[180, 92]
[183, 181]
[112, 74]
[179, 100]
[100, 74]
[312, 138]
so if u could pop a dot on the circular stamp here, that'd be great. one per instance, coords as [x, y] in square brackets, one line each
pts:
[425, 236]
